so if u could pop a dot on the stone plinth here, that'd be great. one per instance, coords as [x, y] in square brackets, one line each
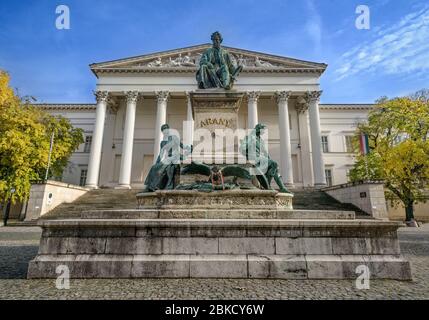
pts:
[219, 248]
[223, 234]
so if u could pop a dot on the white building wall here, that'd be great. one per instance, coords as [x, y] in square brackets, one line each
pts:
[80, 116]
[336, 123]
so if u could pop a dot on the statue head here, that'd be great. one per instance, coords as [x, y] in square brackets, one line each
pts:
[216, 39]
[164, 129]
[260, 127]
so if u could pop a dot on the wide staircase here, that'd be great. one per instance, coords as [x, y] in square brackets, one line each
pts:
[319, 200]
[101, 199]
[111, 199]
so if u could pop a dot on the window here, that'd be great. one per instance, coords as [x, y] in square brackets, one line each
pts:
[328, 174]
[83, 173]
[325, 146]
[348, 175]
[88, 142]
[349, 144]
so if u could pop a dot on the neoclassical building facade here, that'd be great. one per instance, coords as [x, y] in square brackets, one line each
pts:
[135, 96]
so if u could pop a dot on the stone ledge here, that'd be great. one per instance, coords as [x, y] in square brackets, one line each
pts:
[197, 223]
[228, 199]
[217, 214]
[221, 266]
[221, 244]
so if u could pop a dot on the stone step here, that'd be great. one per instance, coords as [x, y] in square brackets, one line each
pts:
[105, 199]
[217, 214]
[220, 266]
[319, 200]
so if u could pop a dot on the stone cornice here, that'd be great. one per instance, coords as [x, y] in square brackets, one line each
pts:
[345, 106]
[92, 106]
[67, 106]
[193, 70]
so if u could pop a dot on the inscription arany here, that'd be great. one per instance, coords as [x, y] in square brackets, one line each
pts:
[216, 121]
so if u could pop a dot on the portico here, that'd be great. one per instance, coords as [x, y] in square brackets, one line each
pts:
[136, 96]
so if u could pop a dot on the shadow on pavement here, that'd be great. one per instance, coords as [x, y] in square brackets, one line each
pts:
[14, 261]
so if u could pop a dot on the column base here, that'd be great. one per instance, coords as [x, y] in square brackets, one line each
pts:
[91, 186]
[122, 186]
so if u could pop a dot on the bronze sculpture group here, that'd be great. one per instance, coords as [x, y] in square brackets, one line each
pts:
[164, 174]
[216, 70]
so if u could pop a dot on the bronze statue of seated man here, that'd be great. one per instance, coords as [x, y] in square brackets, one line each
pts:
[216, 67]
[163, 174]
[266, 169]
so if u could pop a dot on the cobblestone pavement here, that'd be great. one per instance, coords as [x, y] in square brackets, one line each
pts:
[18, 245]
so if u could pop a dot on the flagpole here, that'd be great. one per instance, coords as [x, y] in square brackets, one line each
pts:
[364, 146]
[49, 156]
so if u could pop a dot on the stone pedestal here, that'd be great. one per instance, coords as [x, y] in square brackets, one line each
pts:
[219, 248]
[226, 234]
[217, 111]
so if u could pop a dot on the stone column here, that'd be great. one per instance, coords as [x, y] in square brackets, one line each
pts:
[188, 139]
[97, 140]
[286, 168]
[161, 118]
[252, 109]
[316, 140]
[304, 142]
[128, 140]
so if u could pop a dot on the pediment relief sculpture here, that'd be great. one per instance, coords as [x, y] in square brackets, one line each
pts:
[193, 60]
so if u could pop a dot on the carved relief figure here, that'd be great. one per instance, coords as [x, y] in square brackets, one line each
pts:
[262, 64]
[155, 63]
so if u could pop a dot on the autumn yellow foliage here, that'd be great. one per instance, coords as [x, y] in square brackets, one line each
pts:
[398, 132]
[25, 133]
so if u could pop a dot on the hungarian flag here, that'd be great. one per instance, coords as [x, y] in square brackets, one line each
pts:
[364, 144]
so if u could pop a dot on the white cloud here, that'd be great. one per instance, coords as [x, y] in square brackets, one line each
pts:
[313, 26]
[400, 49]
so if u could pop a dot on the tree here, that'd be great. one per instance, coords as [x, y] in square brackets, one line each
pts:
[25, 134]
[398, 133]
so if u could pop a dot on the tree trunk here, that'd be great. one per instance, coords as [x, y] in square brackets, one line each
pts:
[409, 211]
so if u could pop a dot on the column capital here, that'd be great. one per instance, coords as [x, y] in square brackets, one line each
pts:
[101, 96]
[282, 96]
[302, 104]
[313, 96]
[162, 96]
[132, 96]
[253, 95]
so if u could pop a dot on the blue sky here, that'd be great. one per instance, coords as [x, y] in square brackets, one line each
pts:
[391, 58]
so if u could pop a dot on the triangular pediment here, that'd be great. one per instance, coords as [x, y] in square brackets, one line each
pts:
[187, 59]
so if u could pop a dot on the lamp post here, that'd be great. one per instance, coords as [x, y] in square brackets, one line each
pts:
[7, 208]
